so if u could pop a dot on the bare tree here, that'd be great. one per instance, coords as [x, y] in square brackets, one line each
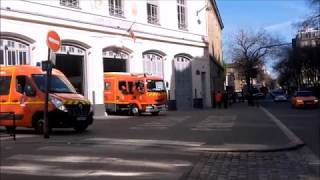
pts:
[249, 51]
[313, 20]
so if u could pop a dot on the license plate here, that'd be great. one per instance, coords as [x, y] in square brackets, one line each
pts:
[81, 118]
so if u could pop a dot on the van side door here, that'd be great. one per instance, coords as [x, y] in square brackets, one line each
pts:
[29, 103]
[125, 91]
[108, 91]
[5, 84]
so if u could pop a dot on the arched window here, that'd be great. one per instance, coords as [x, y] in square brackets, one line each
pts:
[153, 63]
[71, 50]
[115, 53]
[14, 52]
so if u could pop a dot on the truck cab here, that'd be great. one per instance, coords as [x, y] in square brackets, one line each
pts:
[134, 93]
[22, 92]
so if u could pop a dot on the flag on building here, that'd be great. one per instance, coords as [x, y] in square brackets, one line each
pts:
[131, 33]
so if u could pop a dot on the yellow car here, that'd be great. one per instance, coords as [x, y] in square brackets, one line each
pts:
[304, 99]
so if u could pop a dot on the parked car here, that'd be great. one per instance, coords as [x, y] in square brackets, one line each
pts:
[240, 96]
[279, 96]
[304, 99]
[257, 93]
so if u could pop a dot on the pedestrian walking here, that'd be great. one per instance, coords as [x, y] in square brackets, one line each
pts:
[218, 98]
[225, 99]
[256, 100]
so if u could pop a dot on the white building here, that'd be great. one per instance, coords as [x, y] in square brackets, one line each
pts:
[153, 36]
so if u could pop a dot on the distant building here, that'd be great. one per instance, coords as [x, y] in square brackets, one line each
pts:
[235, 80]
[307, 37]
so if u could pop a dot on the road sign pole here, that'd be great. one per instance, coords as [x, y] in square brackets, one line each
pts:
[53, 43]
[47, 87]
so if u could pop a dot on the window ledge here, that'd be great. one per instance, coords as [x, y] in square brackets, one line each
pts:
[71, 7]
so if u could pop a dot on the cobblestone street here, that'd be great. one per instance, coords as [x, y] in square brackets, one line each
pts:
[283, 165]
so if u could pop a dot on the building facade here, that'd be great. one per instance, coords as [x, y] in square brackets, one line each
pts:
[143, 36]
[308, 39]
[215, 27]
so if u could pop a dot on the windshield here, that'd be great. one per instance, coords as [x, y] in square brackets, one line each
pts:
[155, 85]
[58, 84]
[304, 93]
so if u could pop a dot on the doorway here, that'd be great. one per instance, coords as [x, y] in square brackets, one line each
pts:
[114, 65]
[203, 88]
[183, 82]
[72, 67]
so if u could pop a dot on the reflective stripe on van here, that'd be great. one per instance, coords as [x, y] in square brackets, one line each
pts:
[70, 102]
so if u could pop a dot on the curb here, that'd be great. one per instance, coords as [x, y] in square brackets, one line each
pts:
[291, 136]
[289, 146]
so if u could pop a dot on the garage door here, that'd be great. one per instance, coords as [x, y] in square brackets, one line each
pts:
[115, 60]
[183, 82]
[70, 60]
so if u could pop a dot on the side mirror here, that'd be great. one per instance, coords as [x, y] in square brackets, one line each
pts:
[29, 91]
[167, 84]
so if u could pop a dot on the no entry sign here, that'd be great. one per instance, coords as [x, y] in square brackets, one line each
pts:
[53, 41]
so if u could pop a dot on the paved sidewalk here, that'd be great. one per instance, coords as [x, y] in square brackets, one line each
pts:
[283, 165]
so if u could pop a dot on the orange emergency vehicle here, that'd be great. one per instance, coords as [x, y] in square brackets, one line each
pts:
[134, 93]
[22, 92]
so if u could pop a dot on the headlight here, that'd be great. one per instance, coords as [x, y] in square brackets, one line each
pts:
[316, 100]
[299, 101]
[58, 103]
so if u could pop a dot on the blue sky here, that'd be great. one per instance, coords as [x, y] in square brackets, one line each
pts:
[276, 16]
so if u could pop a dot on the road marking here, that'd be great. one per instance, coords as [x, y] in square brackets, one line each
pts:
[161, 124]
[55, 171]
[143, 142]
[291, 136]
[161, 164]
[6, 137]
[216, 123]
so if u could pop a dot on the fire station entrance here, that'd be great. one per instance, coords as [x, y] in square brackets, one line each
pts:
[70, 61]
[183, 82]
[115, 60]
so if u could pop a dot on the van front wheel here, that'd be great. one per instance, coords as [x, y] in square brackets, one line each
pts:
[38, 128]
[134, 110]
[80, 127]
[10, 129]
[155, 113]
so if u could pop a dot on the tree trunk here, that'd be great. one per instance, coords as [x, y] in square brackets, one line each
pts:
[249, 91]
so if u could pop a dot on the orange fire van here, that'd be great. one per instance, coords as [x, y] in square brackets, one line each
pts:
[22, 92]
[134, 93]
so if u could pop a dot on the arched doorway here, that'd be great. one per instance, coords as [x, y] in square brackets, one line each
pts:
[153, 62]
[71, 61]
[183, 81]
[14, 51]
[115, 59]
